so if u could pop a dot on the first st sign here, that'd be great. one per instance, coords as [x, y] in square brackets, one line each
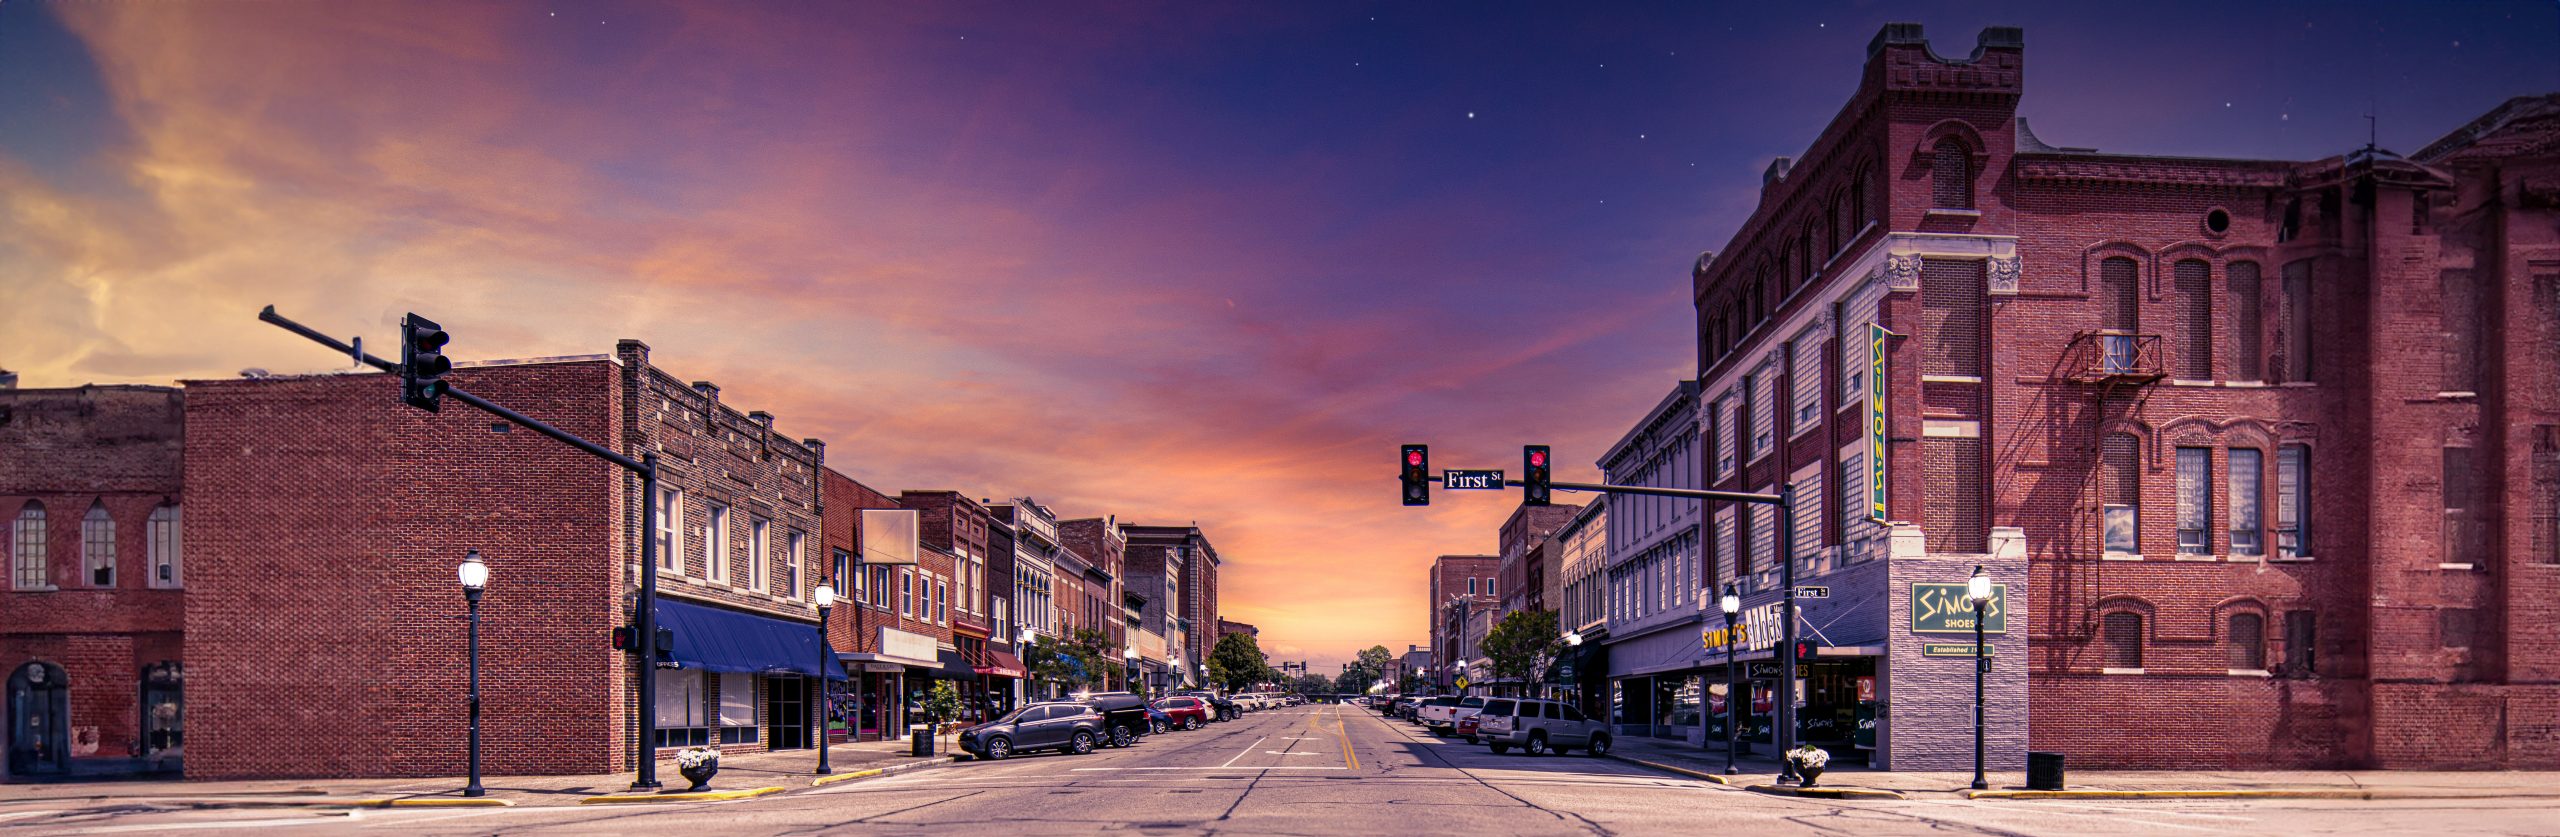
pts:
[1471, 480]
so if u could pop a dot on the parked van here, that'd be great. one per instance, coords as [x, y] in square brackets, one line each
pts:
[1539, 727]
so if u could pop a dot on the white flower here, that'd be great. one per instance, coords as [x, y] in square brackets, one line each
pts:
[693, 757]
[1809, 756]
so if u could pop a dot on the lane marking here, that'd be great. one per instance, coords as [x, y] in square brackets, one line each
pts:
[1273, 767]
[1248, 750]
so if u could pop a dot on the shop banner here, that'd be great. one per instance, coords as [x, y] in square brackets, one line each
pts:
[1875, 422]
[1942, 609]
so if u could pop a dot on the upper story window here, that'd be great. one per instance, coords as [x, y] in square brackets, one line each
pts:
[2122, 633]
[2248, 322]
[2120, 495]
[759, 554]
[715, 546]
[98, 546]
[27, 567]
[1951, 176]
[166, 571]
[791, 563]
[670, 514]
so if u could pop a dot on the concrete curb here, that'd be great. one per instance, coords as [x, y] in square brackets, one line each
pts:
[1694, 774]
[706, 796]
[2259, 793]
[1825, 793]
[330, 802]
[919, 764]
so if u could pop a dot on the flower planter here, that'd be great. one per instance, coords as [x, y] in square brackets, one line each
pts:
[700, 776]
[1810, 774]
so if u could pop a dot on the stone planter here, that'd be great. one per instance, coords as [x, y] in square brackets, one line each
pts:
[700, 775]
[1810, 774]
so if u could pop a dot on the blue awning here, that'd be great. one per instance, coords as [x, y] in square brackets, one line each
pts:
[713, 639]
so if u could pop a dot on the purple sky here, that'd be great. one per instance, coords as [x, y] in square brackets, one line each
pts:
[1173, 262]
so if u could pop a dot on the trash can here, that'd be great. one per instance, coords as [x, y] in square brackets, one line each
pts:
[2044, 771]
[920, 738]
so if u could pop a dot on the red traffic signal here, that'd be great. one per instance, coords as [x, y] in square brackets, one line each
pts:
[626, 640]
[1534, 474]
[1416, 475]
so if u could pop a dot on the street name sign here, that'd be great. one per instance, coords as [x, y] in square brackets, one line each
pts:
[1471, 480]
[1813, 592]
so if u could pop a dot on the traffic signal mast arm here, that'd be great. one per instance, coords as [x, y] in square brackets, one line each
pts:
[1691, 493]
[536, 425]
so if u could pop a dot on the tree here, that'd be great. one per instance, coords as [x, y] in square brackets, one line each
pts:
[1523, 645]
[1065, 661]
[942, 703]
[1311, 684]
[1369, 667]
[1237, 662]
[1353, 682]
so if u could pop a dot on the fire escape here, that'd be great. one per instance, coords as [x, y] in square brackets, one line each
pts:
[2112, 369]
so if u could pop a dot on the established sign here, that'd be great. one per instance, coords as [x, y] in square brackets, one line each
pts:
[1942, 609]
[1955, 649]
[1471, 480]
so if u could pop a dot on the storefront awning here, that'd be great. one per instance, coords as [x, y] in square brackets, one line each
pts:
[713, 639]
[1001, 664]
[955, 666]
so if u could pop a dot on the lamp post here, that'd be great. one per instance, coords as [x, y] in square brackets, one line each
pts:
[1022, 648]
[1731, 604]
[474, 576]
[1572, 639]
[1978, 591]
[825, 598]
[1131, 655]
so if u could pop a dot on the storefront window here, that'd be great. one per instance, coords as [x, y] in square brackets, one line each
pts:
[681, 720]
[737, 709]
[1676, 706]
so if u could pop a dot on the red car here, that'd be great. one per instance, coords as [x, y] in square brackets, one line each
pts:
[1187, 712]
[1467, 728]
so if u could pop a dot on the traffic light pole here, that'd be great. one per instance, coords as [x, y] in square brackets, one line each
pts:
[647, 469]
[1783, 501]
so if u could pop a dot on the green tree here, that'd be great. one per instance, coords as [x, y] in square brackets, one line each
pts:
[1311, 684]
[1522, 645]
[1369, 667]
[1352, 682]
[1237, 662]
[942, 703]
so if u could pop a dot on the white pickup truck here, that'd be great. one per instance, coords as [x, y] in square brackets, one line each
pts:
[1442, 713]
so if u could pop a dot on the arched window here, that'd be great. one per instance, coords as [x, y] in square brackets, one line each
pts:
[1859, 211]
[1837, 215]
[98, 546]
[2120, 495]
[1951, 173]
[1804, 252]
[2193, 280]
[165, 568]
[2247, 642]
[27, 567]
[2121, 632]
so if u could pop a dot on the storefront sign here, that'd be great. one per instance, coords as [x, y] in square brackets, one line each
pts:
[1955, 649]
[908, 646]
[1866, 690]
[1942, 609]
[1715, 639]
[1875, 422]
[1762, 626]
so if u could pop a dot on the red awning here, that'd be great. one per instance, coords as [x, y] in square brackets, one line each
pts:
[1001, 664]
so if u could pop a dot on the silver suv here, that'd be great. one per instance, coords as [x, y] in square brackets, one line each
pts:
[1539, 727]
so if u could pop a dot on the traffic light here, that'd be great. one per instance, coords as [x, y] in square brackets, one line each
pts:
[626, 640]
[666, 644]
[1416, 475]
[1533, 475]
[422, 362]
[1805, 649]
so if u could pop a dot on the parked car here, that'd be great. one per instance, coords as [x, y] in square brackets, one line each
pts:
[1124, 716]
[1221, 709]
[1539, 727]
[1447, 718]
[1435, 713]
[1187, 712]
[1158, 720]
[1466, 728]
[1071, 728]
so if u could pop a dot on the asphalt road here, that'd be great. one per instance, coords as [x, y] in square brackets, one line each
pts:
[1326, 771]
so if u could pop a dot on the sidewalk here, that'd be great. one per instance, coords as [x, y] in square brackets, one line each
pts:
[786, 769]
[1761, 773]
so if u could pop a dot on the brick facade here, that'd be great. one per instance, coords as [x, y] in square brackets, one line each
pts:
[103, 460]
[2080, 333]
[1454, 577]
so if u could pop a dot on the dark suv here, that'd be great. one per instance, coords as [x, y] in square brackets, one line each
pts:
[1071, 728]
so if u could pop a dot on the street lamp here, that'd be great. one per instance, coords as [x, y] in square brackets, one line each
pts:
[1022, 646]
[1978, 591]
[1731, 604]
[1572, 639]
[1131, 654]
[825, 598]
[474, 577]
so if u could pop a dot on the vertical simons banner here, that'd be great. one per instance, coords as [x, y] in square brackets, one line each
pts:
[1875, 421]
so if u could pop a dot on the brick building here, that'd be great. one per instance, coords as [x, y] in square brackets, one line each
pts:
[2149, 396]
[1102, 553]
[1524, 571]
[955, 528]
[1654, 659]
[1032, 531]
[1190, 566]
[321, 602]
[1475, 580]
[878, 632]
[90, 527]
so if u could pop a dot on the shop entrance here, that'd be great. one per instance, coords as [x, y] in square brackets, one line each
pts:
[164, 713]
[787, 709]
[39, 720]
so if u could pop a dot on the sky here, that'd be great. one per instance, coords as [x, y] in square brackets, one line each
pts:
[1170, 261]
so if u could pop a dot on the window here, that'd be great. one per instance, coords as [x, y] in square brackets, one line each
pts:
[682, 721]
[1951, 517]
[1003, 620]
[2248, 323]
[1764, 540]
[166, 571]
[1854, 504]
[2247, 471]
[2293, 501]
[791, 546]
[715, 546]
[1471, 585]
[1805, 355]
[2295, 364]
[759, 555]
[1763, 385]
[1722, 431]
[2120, 494]
[906, 592]
[1951, 176]
[2195, 501]
[2122, 634]
[98, 546]
[1951, 311]
[2119, 295]
[2248, 642]
[2464, 537]
[942, 602]
[2193, 280]
[2301, 644]
[27, 567]
[2543, 515]
[1806, 504]
[841, 566]
[670, 521]
[2461, 329]
[1488, 587]
[737, 709]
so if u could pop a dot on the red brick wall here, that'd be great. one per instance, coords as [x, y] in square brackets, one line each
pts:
[70, 450]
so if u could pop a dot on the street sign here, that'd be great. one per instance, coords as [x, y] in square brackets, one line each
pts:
[1813, 592]
[1471, 480]
[1462, 681]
